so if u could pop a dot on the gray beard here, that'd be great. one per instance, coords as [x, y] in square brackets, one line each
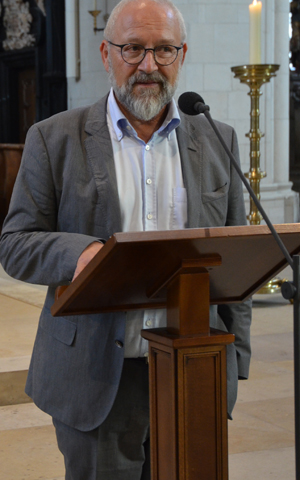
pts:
[148, 104]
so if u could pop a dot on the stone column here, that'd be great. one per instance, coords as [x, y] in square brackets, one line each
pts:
[72, 39]
[278, 199]
[281, 93]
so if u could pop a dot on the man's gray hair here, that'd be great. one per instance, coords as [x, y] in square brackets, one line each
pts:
[110, 26]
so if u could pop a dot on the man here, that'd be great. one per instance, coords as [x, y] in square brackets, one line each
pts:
[130, 163]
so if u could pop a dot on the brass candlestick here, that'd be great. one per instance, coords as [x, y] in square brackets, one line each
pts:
[255, 76]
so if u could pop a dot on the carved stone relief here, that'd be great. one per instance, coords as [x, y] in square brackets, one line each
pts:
[17, 21]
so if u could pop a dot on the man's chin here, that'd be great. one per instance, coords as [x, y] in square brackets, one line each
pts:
[143, 103]
[142, 111]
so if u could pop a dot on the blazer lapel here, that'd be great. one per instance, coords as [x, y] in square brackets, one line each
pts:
[191, 160]
[100, 156]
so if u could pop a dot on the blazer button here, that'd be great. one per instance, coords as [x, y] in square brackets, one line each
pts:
[119, 343]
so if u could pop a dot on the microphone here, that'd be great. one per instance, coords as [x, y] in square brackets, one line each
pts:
[191, 103]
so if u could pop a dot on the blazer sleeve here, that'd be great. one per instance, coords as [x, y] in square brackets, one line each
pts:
[31, 248]
[237, 317]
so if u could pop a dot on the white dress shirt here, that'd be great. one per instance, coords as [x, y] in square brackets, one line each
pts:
[152, 196]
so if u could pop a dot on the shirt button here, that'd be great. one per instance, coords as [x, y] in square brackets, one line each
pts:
[119, 343]
[149, 323]
[147, 147]
[128, 128]
[149, 181]
[149, 216]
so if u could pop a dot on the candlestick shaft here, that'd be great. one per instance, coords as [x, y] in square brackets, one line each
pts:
[255, 175]
[255, 76]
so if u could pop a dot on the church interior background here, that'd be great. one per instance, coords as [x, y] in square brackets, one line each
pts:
[49, 62]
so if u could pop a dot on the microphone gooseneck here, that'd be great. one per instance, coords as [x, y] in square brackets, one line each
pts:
[192, 104]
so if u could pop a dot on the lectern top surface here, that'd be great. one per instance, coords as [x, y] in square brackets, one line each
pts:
[132, 266]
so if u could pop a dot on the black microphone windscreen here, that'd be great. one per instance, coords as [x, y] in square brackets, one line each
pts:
[187, 102]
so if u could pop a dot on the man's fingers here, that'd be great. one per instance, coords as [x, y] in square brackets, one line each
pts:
[86, 257]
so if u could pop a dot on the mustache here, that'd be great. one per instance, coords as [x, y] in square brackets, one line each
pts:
[141, 77]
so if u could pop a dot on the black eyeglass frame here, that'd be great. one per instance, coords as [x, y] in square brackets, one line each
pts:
[145, 52]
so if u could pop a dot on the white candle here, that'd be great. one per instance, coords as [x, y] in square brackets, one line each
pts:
[255, 32]
[95, 6]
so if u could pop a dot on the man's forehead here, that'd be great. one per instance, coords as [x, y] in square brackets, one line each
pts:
[148, 18]
[135, 35]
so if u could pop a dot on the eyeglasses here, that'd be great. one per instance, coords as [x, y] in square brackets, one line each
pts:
[134, 54]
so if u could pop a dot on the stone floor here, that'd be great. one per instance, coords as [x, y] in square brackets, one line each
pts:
[261, 435]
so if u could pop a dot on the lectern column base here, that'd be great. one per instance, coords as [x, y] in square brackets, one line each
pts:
[188, 405]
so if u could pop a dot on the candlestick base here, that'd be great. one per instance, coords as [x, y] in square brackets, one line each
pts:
[273, 286]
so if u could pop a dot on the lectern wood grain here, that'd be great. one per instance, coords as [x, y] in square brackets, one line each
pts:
[186, 315]
[131, 264]
[188, 386]
[188, 410]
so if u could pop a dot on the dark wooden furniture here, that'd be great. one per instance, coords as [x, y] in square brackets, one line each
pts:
[184, 271]
[10, 160]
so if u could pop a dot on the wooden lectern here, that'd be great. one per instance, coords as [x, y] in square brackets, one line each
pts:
[184, 271]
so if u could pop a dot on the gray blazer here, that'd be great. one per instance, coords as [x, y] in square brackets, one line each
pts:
[66, 197]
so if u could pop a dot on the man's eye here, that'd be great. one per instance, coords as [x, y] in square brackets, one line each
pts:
[165, 50]
[133, 48]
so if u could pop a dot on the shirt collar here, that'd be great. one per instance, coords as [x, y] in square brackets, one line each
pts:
[122, 127]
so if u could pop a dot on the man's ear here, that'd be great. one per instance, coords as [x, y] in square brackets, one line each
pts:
[184, 50]
[104, 54]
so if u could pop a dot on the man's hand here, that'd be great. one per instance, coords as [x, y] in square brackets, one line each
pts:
[86, 257]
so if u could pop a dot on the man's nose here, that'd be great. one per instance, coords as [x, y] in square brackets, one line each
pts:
[148, 64]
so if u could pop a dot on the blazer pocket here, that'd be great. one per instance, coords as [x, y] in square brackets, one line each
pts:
[216, 194]
[60, 328]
